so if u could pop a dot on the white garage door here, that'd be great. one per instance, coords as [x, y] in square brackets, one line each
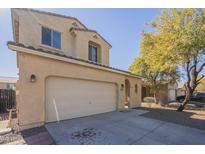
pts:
[68, 98]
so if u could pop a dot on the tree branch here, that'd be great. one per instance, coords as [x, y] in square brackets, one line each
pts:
[201, 68]
[195, 61]
[188, 74]
[191, 67]
[188, 70]
[198, 81]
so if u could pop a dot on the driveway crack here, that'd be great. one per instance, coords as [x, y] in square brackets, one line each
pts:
[151, 131]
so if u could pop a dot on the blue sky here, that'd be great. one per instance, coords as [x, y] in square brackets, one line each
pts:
[120, 27]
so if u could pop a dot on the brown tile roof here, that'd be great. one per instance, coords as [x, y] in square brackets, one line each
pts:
[61, 54]
[89, 30]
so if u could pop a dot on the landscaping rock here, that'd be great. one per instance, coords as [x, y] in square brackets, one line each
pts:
[5, 131]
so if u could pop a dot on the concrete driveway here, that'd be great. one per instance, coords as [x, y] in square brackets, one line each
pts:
[123, 128]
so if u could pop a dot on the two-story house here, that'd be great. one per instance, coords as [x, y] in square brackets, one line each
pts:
[64, 70]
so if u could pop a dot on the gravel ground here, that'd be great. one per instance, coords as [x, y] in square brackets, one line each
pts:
[11, 137]
[191, 118]
[34, 136]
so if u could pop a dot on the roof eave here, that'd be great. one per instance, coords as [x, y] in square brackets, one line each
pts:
[40, 52]
[91, 31]
[52, 14]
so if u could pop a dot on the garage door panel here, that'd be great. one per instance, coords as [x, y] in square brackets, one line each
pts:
[70, 98]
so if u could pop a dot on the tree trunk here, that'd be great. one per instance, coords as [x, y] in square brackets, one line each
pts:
[192, 81]
[186, 101]
[155, 98]
[189, 93]
[191, 84]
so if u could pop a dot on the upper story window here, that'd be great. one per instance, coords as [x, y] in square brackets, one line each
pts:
[93, 53]
[51, 38]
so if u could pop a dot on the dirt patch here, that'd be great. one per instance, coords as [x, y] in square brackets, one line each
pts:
[191, 118]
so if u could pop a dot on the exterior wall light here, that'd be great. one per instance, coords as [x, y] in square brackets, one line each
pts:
[33, 78]
[122, 87]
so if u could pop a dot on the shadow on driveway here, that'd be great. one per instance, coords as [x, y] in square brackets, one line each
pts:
[192, 119]
[37, 136]
[125, 128]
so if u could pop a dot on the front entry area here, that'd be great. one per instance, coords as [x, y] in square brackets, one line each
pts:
[127, 94]
[68, 98]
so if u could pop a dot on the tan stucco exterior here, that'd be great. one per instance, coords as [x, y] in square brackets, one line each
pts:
[73, 43]
[165, 94]
[31, 95]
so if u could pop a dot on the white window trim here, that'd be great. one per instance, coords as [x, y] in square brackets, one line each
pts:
[50, 47]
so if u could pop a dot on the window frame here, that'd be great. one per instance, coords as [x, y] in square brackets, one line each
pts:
[43, 27]
[97, 53]
[52, 31]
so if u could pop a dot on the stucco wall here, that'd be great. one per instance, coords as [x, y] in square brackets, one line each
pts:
[163, 94]
[3, 85]
[81, 45]
[181, 92]
[31, 96]
[30, 24]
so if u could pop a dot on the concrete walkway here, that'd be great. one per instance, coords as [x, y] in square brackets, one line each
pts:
[123, 128]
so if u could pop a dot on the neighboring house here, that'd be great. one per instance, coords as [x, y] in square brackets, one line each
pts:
[8, 82]
[167, 92]
[146, 91]
[64, 70]
[181, 89]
